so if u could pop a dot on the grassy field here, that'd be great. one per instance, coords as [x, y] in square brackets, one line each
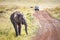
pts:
[54, 12]
[7, 31]
[6, 28]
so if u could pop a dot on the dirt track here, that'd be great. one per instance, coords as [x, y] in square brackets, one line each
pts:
[50, 27]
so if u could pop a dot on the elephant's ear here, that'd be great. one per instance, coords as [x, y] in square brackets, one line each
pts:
[15, 15]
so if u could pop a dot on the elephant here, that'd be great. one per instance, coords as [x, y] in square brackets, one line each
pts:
[17, 19]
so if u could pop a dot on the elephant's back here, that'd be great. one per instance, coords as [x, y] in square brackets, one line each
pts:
[16, 16]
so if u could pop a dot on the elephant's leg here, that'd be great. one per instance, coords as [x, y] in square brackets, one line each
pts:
[24, 23]
[19, 28]
[26, 29]
[15, 27]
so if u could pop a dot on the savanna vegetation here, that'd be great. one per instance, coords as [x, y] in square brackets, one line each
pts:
[54, 12]
[6, 28]
[7, 31]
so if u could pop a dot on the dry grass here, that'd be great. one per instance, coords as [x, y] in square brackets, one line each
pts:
[6, 28]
